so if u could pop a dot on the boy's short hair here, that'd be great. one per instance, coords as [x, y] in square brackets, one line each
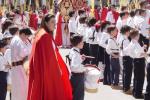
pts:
[111, 28]
[2, 44]
[13, 29]
[26, 31]
[71, 13]
[76, 39]
[91, 21]
[134, 33]
[125, 29]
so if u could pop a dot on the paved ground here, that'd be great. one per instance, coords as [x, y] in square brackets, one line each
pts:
[104, 92]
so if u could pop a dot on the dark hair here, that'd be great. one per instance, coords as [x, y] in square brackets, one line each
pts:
[71, 13]
[13, 30]
[141, 11]
[80, 12]
[111, 28]
[104, 24]
[82, 20]
[132, 13]
[17, 11]
[91, 21]
[134, 33]
[123, 8]
[142, 3]
[76, 39]
[25, 31]
[122, 14]
[45, 20]
[125, 29]
[6, 24]
[2, 43]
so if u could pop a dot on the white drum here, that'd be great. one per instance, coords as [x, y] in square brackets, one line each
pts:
[92, 79]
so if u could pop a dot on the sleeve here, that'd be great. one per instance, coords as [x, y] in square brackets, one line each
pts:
[109, 46]
[76, 65]
[8, 55]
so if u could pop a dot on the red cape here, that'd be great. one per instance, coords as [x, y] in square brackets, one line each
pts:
[96, 14]
[104, 14]
[49, 76]
[33, 21]
[58, 37]
[115, 15]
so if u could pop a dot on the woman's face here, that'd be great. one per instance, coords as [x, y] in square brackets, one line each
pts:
[51, 24]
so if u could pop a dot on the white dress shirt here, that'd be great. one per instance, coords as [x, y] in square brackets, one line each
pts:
[134, 49]
[3, 63]
[112, 46]
[72, 25]
[92, 35]
[110, 17]
[19, 49]
[123, 45]
[82, 30]
[104, 40]
[130, 22]
[76, 61]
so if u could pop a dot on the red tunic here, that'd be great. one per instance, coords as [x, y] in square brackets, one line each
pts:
[104, 14]
[33, 21]
[49, 76]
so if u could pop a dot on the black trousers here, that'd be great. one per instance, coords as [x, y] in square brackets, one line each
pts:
[139, 75]
[85, 51]
[101, 54]
[93, 51]
[147, 94]
[115, 70]
[107, 72]
[127, 72]
[77, 82]
[3, 85]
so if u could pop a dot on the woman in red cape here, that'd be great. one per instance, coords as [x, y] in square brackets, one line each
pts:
[49, 76]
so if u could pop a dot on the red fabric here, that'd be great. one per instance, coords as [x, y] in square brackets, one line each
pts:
[104, 14]
[58, 38]
[33, 21]
[115, 15]
[96, 14]
[49, 77]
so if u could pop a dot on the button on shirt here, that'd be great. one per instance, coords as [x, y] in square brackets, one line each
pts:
[3, 62]
[104, 40]
[112, 46]
[134, 49]
[76, 61]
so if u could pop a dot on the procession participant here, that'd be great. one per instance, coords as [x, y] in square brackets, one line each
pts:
[81, 12]
[103, 43]
[147, 93]
[77, 68]
[19, 19]
[130, 20]
[92, 40]
[123, 20]
[104, 12]
[112, 49]
[47, 65]
[3, 70]
[20, 50]
[112, 15]
[33, 22]
[127, 60]
[6, 25]
[136, 51]
[72, 23]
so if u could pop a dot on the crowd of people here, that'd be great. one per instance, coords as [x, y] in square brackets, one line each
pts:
[114, 41]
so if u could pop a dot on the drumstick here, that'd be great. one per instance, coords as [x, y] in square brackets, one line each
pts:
[89, 57]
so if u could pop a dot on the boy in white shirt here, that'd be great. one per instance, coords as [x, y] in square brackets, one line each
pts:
[112, 49]
[136, 52]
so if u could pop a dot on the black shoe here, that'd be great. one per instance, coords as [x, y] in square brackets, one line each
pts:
[139, 96]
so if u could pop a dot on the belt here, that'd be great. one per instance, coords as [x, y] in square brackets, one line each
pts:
[17, 63]
[82, 73]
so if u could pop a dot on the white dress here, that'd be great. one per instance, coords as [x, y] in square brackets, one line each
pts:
[19, 50]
